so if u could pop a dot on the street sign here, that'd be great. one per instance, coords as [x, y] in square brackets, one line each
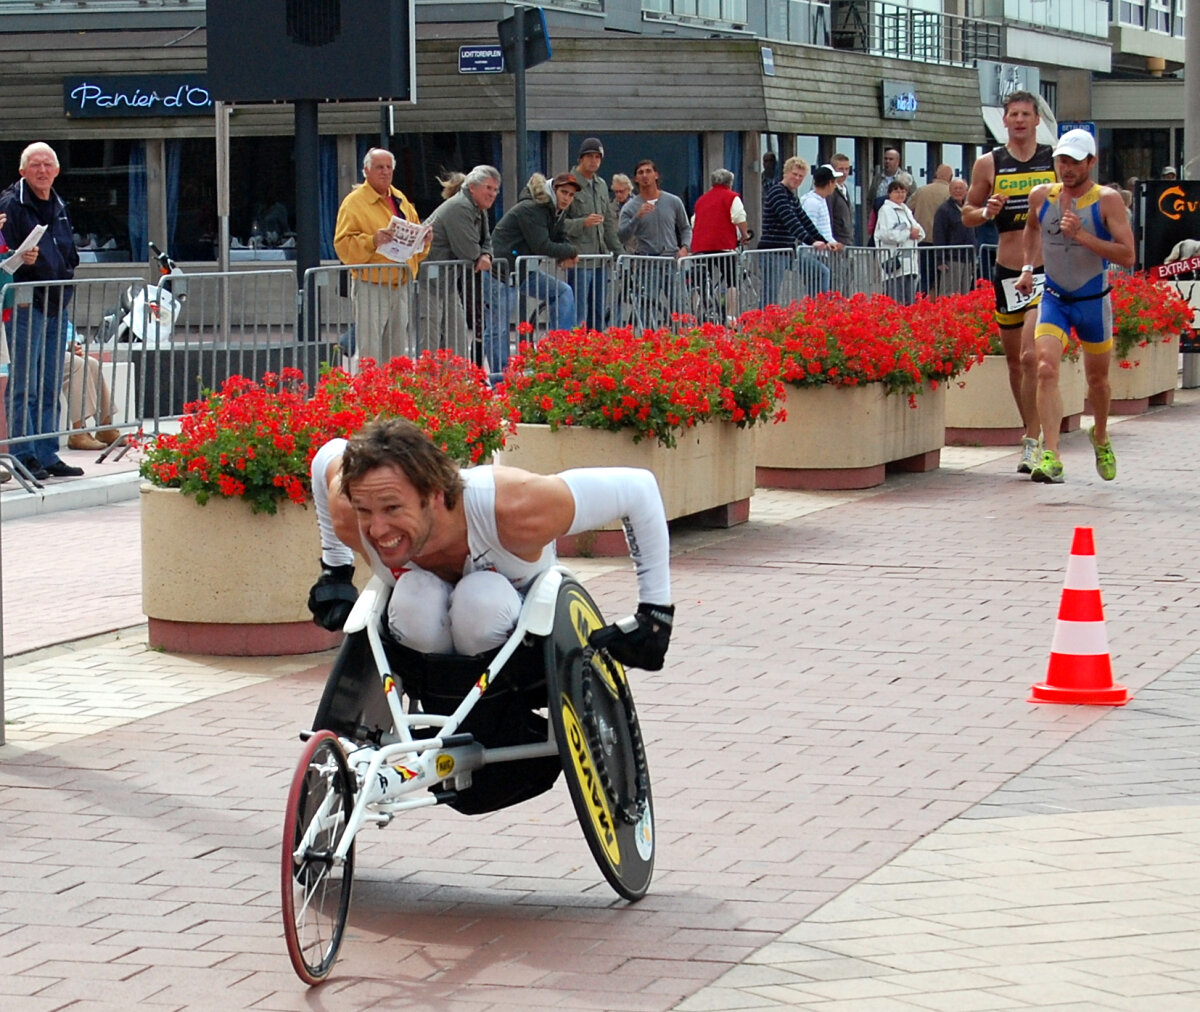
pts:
[480, 60]
[1076, 124]
[536, 41]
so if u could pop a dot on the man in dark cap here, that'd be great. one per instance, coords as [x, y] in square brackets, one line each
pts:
[591, 227]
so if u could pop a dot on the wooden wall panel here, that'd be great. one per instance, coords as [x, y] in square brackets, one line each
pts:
[609, 83]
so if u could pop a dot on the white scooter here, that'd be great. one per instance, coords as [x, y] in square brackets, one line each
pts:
[148, 316]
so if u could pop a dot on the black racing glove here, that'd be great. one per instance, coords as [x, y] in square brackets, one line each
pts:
[332, 596]
[639, 641]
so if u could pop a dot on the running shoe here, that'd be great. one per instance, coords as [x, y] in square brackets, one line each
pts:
[1049, 470]
[1031, 453]
[1106, 460]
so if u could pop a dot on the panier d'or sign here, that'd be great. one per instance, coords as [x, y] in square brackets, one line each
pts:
[137, 95]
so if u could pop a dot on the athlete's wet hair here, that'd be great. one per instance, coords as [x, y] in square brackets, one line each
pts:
[397, 442]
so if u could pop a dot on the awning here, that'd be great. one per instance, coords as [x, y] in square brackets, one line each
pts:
[1047, 131]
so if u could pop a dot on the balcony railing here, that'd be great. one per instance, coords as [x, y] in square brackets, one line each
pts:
[886, 29]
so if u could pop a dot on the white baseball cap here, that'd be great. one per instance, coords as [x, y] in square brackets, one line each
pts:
[1077, 144]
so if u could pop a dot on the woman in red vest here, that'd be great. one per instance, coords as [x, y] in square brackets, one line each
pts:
[719, 226]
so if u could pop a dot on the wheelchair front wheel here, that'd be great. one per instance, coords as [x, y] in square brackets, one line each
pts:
[600, 742]
[315, 889]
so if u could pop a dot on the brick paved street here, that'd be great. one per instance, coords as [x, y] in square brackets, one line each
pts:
[856, 806]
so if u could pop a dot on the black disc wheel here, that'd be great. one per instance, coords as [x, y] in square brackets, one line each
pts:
[600, 742]
[315, 887]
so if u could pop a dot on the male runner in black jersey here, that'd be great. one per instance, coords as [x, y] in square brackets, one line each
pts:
[1001, 182]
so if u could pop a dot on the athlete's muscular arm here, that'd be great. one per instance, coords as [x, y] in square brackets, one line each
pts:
[336, 519]
[981, 204]
[532, 510]
[1119, 249]
[1032, 238]
[345, 520]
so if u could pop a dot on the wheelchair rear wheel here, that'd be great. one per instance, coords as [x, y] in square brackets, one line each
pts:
[600, 742]
[315, 889]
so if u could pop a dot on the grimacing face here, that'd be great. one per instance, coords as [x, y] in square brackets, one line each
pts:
[391, 516]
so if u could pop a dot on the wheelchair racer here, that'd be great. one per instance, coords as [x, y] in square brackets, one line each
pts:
[464, 545]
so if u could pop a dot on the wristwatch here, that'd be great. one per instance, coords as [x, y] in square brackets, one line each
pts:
[1027, 269]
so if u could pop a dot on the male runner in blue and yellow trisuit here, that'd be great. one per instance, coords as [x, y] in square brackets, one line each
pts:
[1079, 226]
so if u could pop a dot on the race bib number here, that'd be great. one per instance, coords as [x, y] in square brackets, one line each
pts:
[1015, 301]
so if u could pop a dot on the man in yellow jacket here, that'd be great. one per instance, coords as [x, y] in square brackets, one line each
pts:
[381, 294]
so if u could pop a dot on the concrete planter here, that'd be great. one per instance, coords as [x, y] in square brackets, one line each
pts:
[708, 475]
[219, 579]
[980, 410]
[1152, 381]
[846, 437]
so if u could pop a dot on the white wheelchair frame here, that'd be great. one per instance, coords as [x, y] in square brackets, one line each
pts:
[396, 773]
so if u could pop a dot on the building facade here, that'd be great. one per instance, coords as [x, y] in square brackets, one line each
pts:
[119, 87]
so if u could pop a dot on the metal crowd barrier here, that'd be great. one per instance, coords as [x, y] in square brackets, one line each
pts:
[543, 296]
[118, 357]
[714, 289]
[449, 302]
[648, 292]
[117, 353]
[591, 281]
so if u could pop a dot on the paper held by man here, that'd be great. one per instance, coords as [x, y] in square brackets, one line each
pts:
[13, 263]
[407, 238]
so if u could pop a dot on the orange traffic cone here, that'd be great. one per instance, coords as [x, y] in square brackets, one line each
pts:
[1080, 669]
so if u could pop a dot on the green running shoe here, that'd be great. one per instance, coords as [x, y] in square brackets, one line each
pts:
[1049, 470]
[1106, 460]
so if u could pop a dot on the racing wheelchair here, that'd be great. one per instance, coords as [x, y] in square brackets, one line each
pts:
[396, 730]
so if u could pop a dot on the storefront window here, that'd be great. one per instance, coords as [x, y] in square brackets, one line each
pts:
[193, 215]
[262, 192]
[677, 157]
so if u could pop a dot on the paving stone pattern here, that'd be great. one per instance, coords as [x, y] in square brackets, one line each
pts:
[850, 787]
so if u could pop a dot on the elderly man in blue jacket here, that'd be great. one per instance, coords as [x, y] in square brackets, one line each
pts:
[39, 322]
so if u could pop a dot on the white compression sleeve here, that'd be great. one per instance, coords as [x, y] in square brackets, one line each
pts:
[605, 495]
[333, 551]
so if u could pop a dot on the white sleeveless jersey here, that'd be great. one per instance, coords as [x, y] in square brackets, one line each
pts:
[483, 541]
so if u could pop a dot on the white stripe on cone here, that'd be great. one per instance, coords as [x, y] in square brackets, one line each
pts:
[1079, 638]
[1082, 573]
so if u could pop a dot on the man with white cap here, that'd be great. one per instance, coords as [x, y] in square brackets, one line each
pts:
[1168, 172]
[1079, 226]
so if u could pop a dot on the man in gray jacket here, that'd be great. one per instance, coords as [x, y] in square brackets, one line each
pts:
[461, 232]
[590, 226]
